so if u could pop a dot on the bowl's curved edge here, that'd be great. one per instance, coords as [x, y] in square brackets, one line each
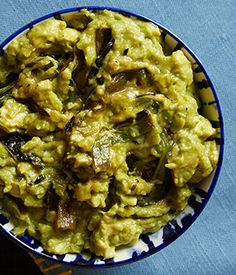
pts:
[110, 263]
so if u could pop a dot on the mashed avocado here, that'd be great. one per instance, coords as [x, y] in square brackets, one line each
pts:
[100, 135]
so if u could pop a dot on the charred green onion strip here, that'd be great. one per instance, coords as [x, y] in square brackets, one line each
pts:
[160, 174]
[5, 93]
[52, 199]
[159, 193]
[10, 80]
[144, 122]
[163, 148]
[13, 142]
[6, 89]
[82, 75]
[33, 106]
[119, 82]
[79, 22]
[38, 180]
[79, 74]
[148, 102]
[6, 86]
[69, 125]
[143, 167]
[104, 43]
[125, 129]
[162, 189]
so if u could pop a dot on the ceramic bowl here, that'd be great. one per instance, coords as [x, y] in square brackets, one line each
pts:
[152, 243]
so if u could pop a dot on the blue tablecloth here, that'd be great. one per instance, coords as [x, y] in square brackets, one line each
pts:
[209, 28]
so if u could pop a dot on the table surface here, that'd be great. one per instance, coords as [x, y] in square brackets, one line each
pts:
[209, 29]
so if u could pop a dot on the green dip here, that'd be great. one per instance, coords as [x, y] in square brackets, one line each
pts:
[100, 132]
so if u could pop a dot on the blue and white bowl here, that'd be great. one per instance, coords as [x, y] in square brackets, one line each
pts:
[152, 243]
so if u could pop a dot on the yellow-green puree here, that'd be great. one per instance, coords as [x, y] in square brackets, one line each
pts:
[100, 132]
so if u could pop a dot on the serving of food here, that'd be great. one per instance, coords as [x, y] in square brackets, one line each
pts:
[101, 135]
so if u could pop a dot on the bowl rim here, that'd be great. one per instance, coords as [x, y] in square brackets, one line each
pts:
[141, 256]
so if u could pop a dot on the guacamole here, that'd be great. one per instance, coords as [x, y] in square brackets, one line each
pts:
[100, 134]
